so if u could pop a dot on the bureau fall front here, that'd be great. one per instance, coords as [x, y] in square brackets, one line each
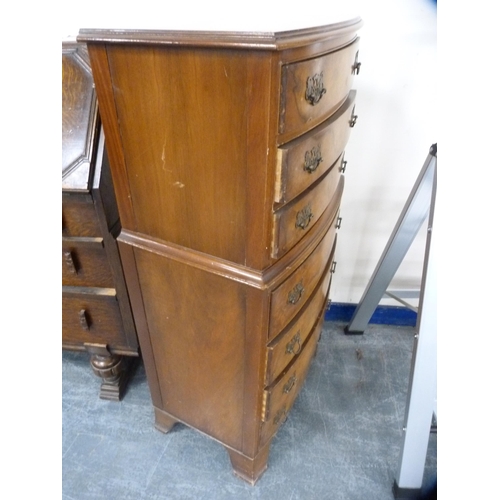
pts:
[226, 151]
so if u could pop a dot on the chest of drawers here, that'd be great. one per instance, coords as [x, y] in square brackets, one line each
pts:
[96, 312]
[227, 154]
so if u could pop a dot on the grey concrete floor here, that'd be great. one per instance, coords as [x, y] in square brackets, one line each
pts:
[341, 440]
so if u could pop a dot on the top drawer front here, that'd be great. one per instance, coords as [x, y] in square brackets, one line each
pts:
[306, 159]
[80, 219]
[312, 90]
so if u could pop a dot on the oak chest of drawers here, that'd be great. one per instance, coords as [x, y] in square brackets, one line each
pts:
[226, 150]
[96, 311]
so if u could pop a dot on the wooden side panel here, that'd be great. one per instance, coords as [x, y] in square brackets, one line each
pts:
[127, 256]
[107, 110]
[197, 329]
[183, 130]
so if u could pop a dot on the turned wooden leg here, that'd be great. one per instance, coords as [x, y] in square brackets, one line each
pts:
[163, 421]
[249, 469]
[114, 371]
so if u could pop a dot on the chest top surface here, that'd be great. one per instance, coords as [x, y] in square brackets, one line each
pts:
[225, 38]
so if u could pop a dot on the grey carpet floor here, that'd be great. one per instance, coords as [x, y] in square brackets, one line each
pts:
[341, 440]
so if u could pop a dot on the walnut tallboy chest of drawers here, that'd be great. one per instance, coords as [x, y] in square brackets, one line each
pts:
[226, 150]
[96, 311]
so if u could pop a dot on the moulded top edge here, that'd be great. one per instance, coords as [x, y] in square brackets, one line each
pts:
[264, 40]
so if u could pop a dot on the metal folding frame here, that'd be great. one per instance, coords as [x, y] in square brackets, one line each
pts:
[422, 389]
[414, 214]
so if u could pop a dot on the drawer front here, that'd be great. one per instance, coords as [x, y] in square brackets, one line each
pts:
[288, 298]
[92, 318]
[295, 220]
[79, 218]
[304, 160]
[85, 263]
[280, 397]
[312, 90]
[289, 344]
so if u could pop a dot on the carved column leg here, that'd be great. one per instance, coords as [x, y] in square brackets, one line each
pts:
[112, 369]
[250, 469]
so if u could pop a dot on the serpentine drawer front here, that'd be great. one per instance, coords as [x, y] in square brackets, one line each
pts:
[227, 155]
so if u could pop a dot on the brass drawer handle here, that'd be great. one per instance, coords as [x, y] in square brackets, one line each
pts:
[290, 384]
[356, 66]
[304, 217]
[343, 166]
[70, 262]
[353, 119]
[279, 414]
[296, 341]
[84, 320]
[312, 159]
[315, 89]
[339, 223]
[296, 294]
